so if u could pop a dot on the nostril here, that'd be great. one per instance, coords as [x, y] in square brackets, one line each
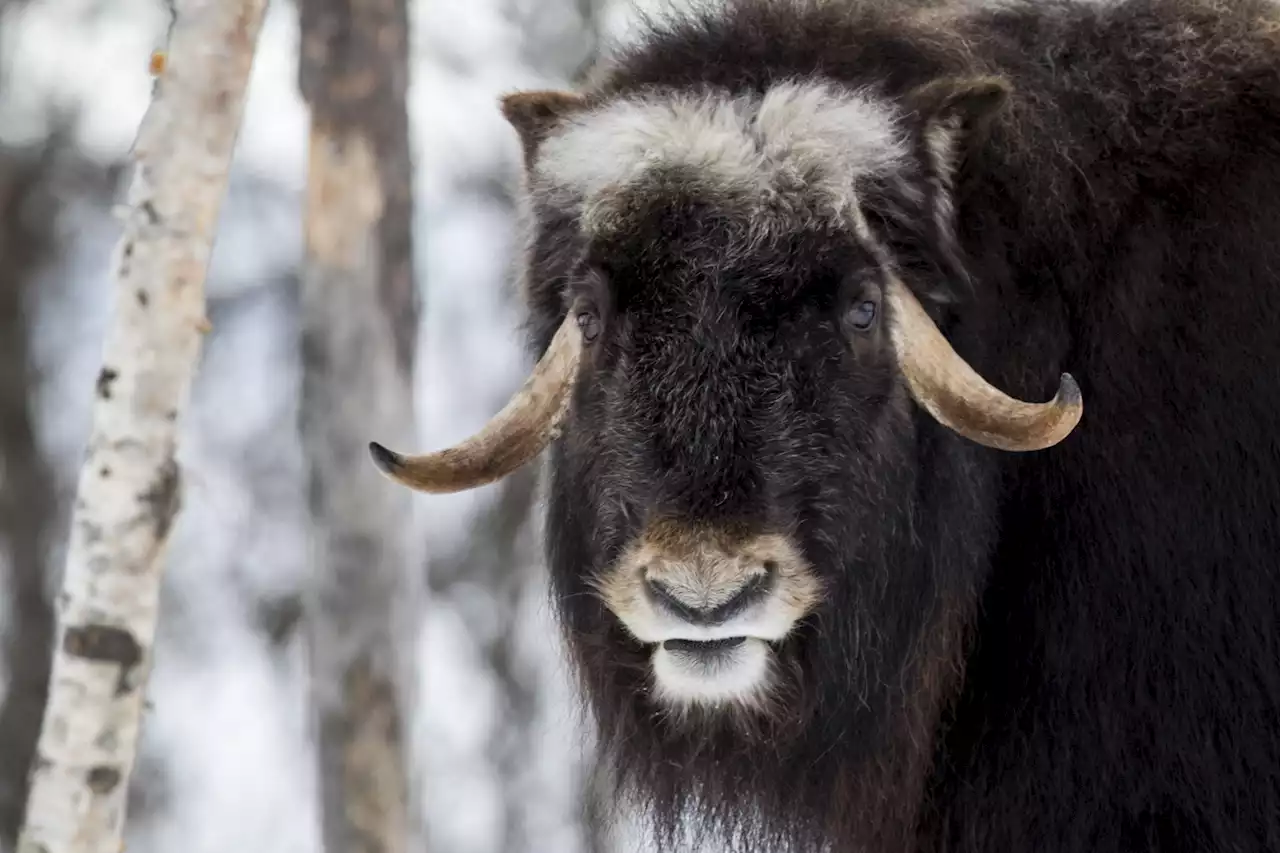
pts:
[662, 593]
[753, 591]
[663, 596]
[770, 567]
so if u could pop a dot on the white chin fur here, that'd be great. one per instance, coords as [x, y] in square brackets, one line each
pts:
[735, 676]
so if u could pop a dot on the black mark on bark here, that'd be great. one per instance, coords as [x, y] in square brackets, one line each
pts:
[279, 618]
[106, 644]
[105, 377]
[103, 780]
[163, 498]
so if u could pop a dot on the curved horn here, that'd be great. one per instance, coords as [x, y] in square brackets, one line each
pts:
[524, 427]
[950, 390]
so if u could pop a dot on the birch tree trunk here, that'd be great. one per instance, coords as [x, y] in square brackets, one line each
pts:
[128, 492]
[359, 326]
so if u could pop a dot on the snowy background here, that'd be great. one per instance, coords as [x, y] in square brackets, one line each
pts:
[225, 764]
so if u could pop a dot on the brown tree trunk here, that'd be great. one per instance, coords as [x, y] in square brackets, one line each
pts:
[27, 501]
[359, 325]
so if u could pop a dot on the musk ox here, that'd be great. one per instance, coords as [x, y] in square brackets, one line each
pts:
[910, 380]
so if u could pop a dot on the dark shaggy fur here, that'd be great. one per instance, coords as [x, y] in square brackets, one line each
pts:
[1070, 650]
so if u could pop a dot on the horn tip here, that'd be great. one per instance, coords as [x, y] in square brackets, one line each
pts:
[1069, 395]
[387, 461]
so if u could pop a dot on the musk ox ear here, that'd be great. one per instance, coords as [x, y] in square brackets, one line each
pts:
[953, 114]
[535, 114]
[958, 101]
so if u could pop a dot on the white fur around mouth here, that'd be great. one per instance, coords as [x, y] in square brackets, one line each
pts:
[687, 674]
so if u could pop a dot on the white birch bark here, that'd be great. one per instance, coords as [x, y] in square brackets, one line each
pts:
[128, 491]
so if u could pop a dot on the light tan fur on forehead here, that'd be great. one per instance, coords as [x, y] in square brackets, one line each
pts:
[803, 144]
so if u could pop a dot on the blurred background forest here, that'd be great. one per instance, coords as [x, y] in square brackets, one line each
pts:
[227, 763]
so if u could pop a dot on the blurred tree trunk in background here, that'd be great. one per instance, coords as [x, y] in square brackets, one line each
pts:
[27, 501]
[555, 40]
[359, 327]
[127, 494]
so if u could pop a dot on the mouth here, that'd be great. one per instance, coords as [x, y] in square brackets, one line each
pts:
[728, 670]
[703, 648]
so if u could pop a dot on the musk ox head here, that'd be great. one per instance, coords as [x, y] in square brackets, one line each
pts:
[727, 292]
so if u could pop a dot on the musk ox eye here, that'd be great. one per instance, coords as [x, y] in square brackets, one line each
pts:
[863, 315]
[589, 324]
